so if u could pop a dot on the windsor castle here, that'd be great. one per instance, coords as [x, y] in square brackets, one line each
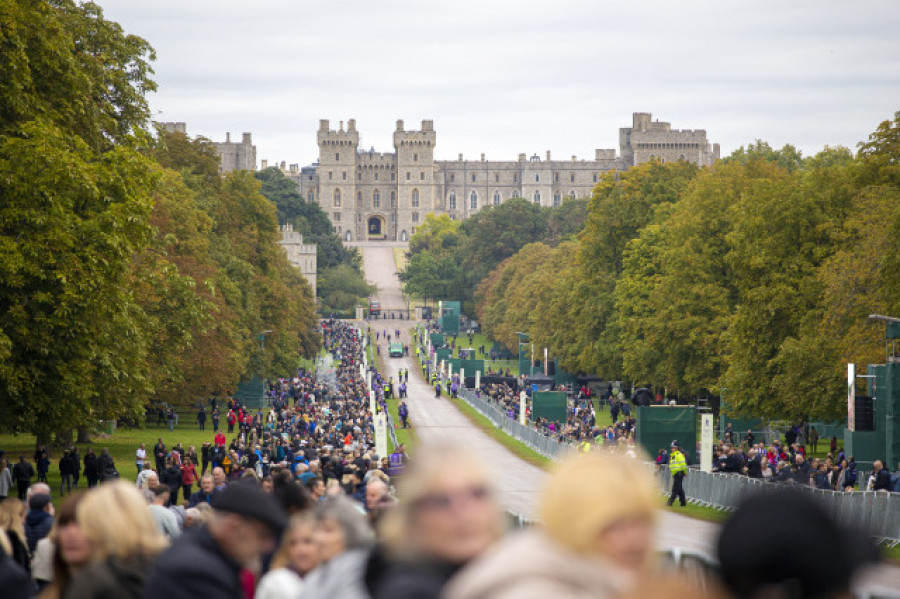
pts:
[384, 196]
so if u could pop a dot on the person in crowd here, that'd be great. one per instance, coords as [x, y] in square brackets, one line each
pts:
[66, 472]
[219, 478]
[12, 524]
[751, 551]
[140, 456]
[43, 464]
[344, 540]
[201, 418]
[595, 538]
[296, 557]
[678, 468]
[163, 517]
[206, 561]
[106, 466]
[6, 479]
[76, 466]
[39, 520]
[13, 579]
[205, 493]
[188, 477]
[171, 477]
[23, 472]
[91, 472]
[882, 476]
[72, 548]
[449, 515]
[123, 541]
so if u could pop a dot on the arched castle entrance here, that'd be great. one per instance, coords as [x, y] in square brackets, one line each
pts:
[375, 227]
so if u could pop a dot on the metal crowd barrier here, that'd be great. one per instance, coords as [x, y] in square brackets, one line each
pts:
[875, 511]
[548, 446]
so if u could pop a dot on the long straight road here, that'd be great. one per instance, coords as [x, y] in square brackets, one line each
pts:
[519, 482]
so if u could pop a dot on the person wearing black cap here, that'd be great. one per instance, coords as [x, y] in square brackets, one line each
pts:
[678, 468]
[758, 559]
[206, 561]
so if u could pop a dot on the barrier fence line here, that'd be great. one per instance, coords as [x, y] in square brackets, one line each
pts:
[877, 512]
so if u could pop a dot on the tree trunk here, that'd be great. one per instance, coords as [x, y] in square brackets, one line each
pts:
[84, 435]
[63, 439]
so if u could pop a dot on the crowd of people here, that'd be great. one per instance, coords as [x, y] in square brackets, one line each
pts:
[299, 505]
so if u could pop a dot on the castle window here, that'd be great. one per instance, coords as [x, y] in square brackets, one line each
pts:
[337, 157]
[415, 198]
[311, 195]
[595, 177]
[330, 175]
[415, 157]
[515, 194]
[376, 175]
[515, 178]
[496, 178]
[336, 217]
[344, 175]
[359, 217]
[556, 199]
[407, 175]
[376, 199]
[421, 175]
[393, 200]
[452, 177]
[537, 197]
[451, 201]
[359, 176]
[556, 177]
[337, 198]
[393, 176]
[473, 201]
[359, 199]
[572, 194]
[496, 198]
[415, 217]
[537, 178]
[572, 178]
[473, 177]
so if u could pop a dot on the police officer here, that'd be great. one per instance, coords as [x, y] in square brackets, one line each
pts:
[678, 468]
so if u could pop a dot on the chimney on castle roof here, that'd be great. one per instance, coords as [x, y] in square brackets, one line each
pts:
[342, 127]
[482, 156]
[428, 125]
[323, 125]
[548, 155]
[351, 126]
[264, 164]
[399, 124]
[522, 157]
[247, 138]
[228, 137]
[460, 156]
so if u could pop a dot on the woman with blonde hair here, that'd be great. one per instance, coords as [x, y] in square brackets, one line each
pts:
[123, 540]
[448, 515]
[12, 523]
[294, 559]
[594, 540]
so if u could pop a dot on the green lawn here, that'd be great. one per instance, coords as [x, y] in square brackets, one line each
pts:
[122, 445]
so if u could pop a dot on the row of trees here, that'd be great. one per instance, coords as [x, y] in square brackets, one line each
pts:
[341, 286]
[130, 271]
[449, 258]
[752, 278]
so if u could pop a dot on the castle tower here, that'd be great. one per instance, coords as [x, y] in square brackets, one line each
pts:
[338, 175]
[415, 177]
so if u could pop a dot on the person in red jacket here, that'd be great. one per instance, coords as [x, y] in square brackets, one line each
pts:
[188, 477]
[219, 439]
[231, 420]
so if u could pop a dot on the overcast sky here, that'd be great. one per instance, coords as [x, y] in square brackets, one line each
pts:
[504, 77]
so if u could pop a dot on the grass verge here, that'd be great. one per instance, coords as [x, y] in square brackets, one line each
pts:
[699, 512]
[516, 447]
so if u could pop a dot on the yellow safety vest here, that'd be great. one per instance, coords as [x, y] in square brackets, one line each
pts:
[677, 463]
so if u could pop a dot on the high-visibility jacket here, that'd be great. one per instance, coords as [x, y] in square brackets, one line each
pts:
[584, 447]
[677, 463]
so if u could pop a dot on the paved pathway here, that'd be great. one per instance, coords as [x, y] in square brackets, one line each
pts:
[519, 481]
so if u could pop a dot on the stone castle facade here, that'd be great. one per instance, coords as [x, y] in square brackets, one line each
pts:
[373, 195]
[301, 255]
